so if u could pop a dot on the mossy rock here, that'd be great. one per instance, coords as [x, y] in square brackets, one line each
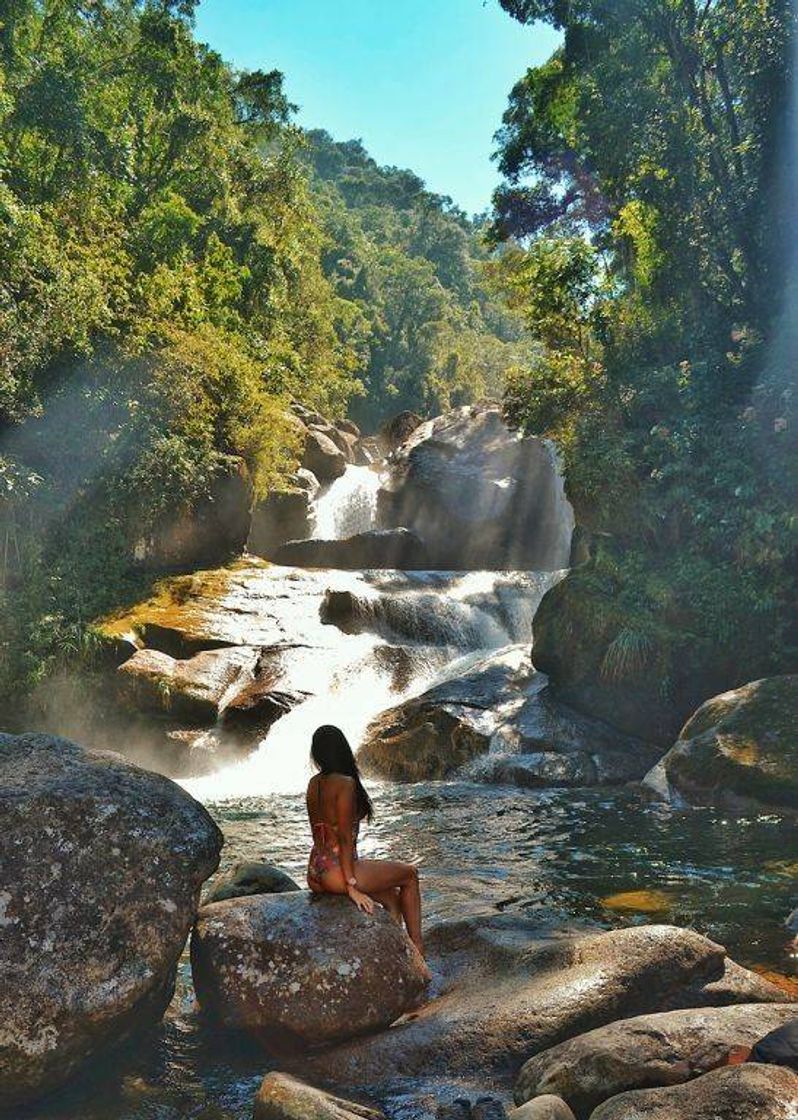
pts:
[738, 748]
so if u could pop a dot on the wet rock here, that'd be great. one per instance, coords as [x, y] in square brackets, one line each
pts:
[458, 1109]
[283, 515]
[739, 749]
[246, 879]
[210, 533]
[377, 548]
[322, 456]
[747, 1092]
[543, 770]
[303, 969]
[192, 690]
[433, 735]
[480, 496]
[265, 697]
[546, 1107]
[510, 987]
[102, 867]
[368, 451]
[736, 985]
[282, 1097]
[645, 1052]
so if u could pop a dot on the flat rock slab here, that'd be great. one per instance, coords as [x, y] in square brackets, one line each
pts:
[102, 865]
[646, 1052]
[512, 989]
[282, 1097]
[300, 969]
[748, 1092]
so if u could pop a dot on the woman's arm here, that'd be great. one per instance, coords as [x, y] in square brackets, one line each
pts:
[345, 809]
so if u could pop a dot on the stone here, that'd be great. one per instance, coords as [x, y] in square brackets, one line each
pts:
[214, 530]
[739, 749]
[376, 548]
[322, 456]
[282, 1097]
[194, 690]
[546, 1107]
[265, 697]
[300, 969]
[246, 879]
[283, 515]
[102, 868]
[348, 426]
[394, 432]
[736, 985]
[511, 986]
[480, 496]
[645, 1052]
[433, 735]
[747, 1092]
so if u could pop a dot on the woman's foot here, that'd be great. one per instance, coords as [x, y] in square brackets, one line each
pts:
[424, 966]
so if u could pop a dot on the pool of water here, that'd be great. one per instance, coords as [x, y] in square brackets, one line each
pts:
[481, 849]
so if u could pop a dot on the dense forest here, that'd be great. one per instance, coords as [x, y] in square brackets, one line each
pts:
[649, 229]
[179, 262]
[429, 327]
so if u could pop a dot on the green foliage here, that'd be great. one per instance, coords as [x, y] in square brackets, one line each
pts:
[640, 214]
[162, 297]
[421, 310]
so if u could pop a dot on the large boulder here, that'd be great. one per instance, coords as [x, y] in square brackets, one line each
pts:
[322, 457]
[393, 433]
[645, 1052]
[376, 548]
[208, 533]
[102, 868]
[193, 690]
[747, 1092]
[479, 495]
[303, 969]
[449, 725]
[740, 748]
[510, 987]
[547, 1107]
[283, 515]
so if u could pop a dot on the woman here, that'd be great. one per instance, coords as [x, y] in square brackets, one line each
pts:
[337, 803]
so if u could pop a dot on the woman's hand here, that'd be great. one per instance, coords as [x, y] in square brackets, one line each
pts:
[362, 901]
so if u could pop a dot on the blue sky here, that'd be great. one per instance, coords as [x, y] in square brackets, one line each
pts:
[422, 82]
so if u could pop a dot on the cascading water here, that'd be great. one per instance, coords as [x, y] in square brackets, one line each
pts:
[348, 506]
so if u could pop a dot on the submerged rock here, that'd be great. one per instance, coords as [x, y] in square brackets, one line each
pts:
[645, 1052]
[747, 1092]
[282, 1097]
[303, 969]
[481, 496]
[246, 879]
[376, 548]
[102, 867]
[740, 748]
[194, 690]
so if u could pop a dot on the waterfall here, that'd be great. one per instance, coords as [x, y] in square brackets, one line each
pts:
[348, 506]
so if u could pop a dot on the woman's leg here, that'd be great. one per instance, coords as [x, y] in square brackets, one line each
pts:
[390, 900]
[377, 875]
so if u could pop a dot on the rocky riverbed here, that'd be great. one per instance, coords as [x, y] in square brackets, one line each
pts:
[546, 863]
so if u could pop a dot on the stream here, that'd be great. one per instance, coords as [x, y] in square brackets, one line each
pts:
[608, 855]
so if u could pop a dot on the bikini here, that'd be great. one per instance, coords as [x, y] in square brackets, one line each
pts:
[325, 855]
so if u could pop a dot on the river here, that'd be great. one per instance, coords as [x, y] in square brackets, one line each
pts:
[608, 855]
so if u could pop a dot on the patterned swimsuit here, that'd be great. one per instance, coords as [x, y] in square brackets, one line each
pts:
[326, 851]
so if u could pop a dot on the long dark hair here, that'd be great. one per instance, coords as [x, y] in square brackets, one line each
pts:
[332, 754]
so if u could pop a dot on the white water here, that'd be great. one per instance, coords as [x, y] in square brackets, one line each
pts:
[422, 622]
[348, 506]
